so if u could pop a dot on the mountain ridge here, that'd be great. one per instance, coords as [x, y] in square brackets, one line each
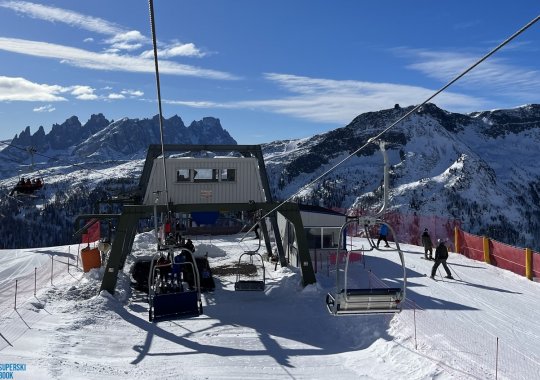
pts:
[117, 139]
[477, 168]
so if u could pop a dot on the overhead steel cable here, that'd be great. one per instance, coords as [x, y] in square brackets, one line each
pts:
[53, 159]
[154, 43]
[377, 136]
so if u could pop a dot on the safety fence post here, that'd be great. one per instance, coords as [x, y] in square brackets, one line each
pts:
[16, 283]
[456, 239]
[486, 249]
[528, 263]
[497, 359]
[414, 318]
[35, 280]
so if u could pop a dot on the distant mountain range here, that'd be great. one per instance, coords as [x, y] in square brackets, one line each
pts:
[121, 139]
[479, 168]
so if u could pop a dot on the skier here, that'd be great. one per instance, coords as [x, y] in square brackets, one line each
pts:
[428, 245]
[441, 254]
[382, 235]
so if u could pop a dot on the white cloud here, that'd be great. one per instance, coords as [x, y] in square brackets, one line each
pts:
[82, 92]
[132, 93]
[53, 14]
[115, 96]
[131, 40]
[103, 61]
[493, 76]
[122, 39]
[335, 101]
[175, 50]
[20, 89]
[47, 108]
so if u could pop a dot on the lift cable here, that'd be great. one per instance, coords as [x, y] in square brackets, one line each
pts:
[52, 159]
[374, 138]
[154, 43]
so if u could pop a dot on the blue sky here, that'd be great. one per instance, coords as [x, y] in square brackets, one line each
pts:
[269, 70]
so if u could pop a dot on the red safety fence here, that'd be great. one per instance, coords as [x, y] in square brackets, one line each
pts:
[507, 257]
[354, 256]
[471, 246]
[501, 255]
[536, 264]
[409, 227]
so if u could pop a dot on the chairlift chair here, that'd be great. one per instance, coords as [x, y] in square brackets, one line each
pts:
[351, 301]
[169, 296]
[250, 284]
[27, 187]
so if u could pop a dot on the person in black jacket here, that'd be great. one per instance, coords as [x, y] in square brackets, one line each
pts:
[428, 245]
[441, 255]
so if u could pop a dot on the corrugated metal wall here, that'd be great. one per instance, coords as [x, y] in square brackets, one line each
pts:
[247, 185]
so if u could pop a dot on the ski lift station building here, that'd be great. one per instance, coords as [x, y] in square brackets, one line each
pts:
[220, 178]
[206, 180]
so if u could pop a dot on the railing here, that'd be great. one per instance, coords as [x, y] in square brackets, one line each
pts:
[20, 301]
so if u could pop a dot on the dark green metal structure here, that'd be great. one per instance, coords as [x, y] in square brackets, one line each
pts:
[132, 213]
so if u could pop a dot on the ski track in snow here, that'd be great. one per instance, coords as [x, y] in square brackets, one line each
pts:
[72, 332]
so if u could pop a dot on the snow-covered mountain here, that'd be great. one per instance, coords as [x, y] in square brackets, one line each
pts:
[121, 139]
[479, 168]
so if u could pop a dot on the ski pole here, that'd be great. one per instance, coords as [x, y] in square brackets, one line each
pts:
[454, 272]
[439, 270]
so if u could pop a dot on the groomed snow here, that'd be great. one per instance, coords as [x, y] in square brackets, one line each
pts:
[68, 331]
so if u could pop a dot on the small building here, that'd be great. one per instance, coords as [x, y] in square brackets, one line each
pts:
[321, 226]
[206, 180]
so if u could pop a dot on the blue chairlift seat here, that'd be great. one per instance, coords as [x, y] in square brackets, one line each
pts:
[176, 301]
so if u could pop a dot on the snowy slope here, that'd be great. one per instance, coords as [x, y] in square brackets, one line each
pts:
[478, 168]
[285, 332]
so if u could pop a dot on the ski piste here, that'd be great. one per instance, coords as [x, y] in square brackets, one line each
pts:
[444, 279]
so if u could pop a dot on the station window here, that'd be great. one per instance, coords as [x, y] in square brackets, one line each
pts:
[182, 175]
[205, 175]
[228, 175]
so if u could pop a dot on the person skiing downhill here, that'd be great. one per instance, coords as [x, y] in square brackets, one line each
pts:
[441, 255]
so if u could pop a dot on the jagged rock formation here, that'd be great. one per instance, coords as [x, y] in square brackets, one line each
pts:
[122, 139]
